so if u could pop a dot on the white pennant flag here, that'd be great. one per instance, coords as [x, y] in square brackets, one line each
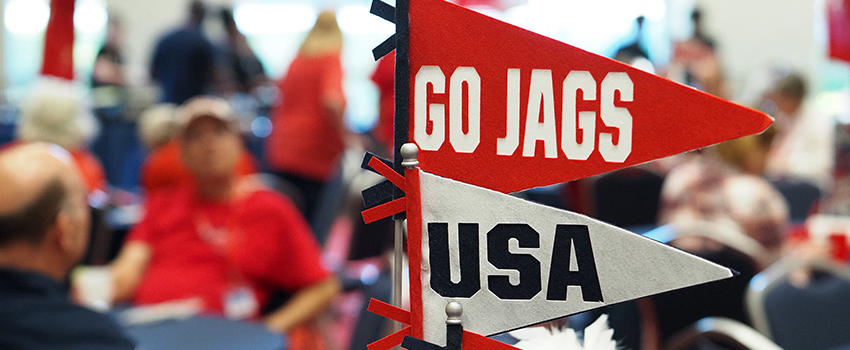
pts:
[512, 263]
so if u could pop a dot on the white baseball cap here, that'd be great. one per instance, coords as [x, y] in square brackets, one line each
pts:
[205, 106]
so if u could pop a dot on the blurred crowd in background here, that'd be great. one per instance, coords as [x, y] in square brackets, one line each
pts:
[213, 141]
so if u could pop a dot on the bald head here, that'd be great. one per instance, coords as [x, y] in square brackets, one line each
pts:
[37, 182]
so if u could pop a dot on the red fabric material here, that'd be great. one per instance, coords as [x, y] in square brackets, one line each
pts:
[388, 342]
[838, 19]
[305, 140]
[414, 249]
[839, 249]
[394, 313]
[668, 118]
[384, 210]
[387, 172]
[164, 168]
[487, 3]
[266, 239]
[307, 336]
[473, 341]
[90, 170]
[384, 78]
[59, 41]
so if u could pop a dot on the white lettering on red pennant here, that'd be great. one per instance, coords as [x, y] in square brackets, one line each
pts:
[541, 103]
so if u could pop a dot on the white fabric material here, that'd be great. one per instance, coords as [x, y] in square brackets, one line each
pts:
[597, 336]
[540, 338]
[629, 266]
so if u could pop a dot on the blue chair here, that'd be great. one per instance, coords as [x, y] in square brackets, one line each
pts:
[628, 197]
[202, 332]
[812, 317]
[800, 197]
[674, 311]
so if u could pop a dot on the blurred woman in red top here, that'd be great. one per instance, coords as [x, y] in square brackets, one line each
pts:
[308, 132]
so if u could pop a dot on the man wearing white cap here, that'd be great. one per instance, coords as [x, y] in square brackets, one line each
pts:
[224, 241]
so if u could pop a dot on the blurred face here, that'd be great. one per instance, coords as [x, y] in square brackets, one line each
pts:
[210, 148]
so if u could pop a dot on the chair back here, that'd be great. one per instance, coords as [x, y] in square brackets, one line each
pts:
[676, 310]
[800, 197]
[628, 197]
[812, 317]
[730, 333]
[729, 236]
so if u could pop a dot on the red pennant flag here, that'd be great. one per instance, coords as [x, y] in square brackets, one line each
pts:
[500, 107]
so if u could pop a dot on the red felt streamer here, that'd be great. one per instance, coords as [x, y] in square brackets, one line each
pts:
[394, 313]
[384, 210]
[390, 341]
[387, 172]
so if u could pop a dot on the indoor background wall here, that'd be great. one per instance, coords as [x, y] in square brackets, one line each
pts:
[752, 34]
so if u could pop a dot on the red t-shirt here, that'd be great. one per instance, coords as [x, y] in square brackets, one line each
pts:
[305, 139]
[207, 249]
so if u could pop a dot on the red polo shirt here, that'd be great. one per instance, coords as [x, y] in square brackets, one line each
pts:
[206, 249]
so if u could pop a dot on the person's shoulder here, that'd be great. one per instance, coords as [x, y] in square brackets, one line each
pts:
[195, 37]
[333, 58]
[181, 37]
[270, 204]
[98, 328]
[268, 198]
[321, 58]
[55, 323]
[170, 36]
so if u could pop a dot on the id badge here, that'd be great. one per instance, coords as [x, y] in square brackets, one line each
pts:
[240, 303]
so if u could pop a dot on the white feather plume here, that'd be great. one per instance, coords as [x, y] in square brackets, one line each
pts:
[597, 336]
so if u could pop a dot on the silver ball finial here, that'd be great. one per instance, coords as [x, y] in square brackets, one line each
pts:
[454, 310]
[409, 151]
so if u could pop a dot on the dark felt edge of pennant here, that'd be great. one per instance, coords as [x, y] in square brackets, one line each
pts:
[383, 10]
[402, 88]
